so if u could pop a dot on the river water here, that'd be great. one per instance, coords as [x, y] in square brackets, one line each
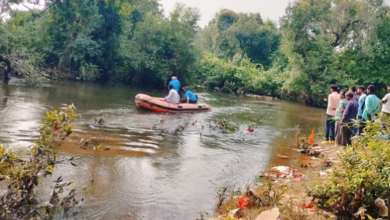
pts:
[151, 171]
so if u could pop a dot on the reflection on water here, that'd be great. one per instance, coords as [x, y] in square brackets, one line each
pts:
[151, 171]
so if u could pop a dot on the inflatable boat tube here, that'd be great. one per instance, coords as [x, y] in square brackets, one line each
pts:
[160, 105]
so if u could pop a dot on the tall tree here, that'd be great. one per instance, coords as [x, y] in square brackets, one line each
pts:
[85, 34]
[231, 34]
[316, 33]
[159, 47]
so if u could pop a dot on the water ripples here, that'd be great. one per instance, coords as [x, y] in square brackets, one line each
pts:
[151, 171]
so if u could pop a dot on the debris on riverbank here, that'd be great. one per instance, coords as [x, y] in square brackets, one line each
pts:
[281, 192]
[348, 182]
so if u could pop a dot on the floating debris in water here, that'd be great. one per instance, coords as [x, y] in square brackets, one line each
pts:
[179, 128]
[226, 125]
[162, 120]
[282, 156]
[100, 118]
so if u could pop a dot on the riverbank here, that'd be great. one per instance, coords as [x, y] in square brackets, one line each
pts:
[315, 169]
[289, 180]
[351, 182]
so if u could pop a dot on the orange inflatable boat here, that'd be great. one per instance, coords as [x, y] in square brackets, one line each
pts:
[160, 105]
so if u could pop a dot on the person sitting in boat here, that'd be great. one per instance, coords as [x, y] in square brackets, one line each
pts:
[190, 97]
[173, 97]
[175, 83]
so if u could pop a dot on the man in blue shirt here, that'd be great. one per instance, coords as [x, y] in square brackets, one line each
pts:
[190, 96]
[175, 84]
[362, 99]
[350, 113]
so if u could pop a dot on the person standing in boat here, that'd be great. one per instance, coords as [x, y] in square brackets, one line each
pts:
[190, 97]
[173, 96]
[175, 83]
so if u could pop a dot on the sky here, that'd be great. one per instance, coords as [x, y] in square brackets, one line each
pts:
[268, 9]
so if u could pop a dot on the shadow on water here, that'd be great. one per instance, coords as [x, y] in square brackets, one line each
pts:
[151, 171]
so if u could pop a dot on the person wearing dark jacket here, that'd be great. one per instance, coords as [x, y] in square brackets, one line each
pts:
[357, 130]
[349, 114]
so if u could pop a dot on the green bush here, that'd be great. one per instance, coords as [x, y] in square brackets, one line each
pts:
[362, 177]
[238, 74]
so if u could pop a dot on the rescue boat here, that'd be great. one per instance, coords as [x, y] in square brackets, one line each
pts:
[160, 105]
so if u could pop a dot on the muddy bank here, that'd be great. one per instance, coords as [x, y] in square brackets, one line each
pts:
[289, 177]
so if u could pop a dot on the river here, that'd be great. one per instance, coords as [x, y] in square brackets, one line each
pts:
[151, 171]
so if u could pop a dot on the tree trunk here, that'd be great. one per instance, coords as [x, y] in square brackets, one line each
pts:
[8, 68]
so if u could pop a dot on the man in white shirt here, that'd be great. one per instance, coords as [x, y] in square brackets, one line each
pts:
[333, 102]
[386, 103]
[173, 97]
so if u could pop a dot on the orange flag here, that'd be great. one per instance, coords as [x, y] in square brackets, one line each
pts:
[311, 138]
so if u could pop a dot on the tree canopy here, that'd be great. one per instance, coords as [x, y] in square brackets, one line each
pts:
[323, 38]
[128, 41]
[316, 43]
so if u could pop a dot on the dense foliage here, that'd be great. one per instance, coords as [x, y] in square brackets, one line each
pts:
[317, 42]
[237, 75]
[332, 41]
[128, 41]
[238, 51]
[229, 34]
[158, 48]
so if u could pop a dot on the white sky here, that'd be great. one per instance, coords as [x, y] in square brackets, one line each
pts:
[268, 9]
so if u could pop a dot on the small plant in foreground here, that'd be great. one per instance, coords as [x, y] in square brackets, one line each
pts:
[22, 172]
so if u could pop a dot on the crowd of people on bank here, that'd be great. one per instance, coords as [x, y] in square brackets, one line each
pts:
[174, 96]
[349, 110]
